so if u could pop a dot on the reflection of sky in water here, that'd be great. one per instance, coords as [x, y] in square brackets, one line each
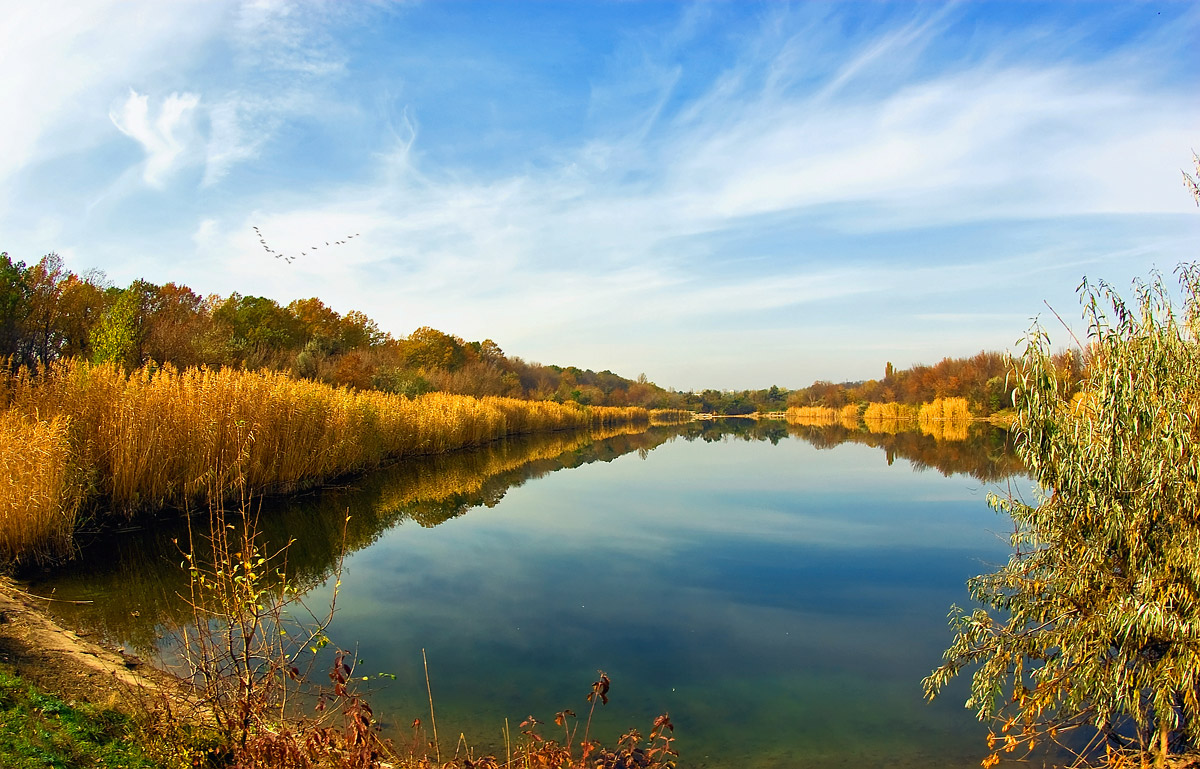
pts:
[781, 602]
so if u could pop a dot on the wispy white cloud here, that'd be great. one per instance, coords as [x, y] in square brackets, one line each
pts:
[165, 138]
[289, 37]
[65, 65]
[229, 142]
[785, 180]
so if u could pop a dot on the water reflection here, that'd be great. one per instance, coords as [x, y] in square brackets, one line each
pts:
[780, 599]
[134, 579]
[980, 450]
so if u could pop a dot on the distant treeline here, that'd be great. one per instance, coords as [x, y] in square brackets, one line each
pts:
[983, 380]
[48, 314]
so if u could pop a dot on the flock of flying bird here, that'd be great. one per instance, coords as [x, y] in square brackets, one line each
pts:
[290, 259]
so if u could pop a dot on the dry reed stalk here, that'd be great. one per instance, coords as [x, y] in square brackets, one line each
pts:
[161, 437]
[948, 409]
[39, 492]
[812, 416]
[889, 411]
[670, 416]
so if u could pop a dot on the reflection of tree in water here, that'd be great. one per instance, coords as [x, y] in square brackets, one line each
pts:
[713, 430]
[986, 454]
[135, 579]
[983, 452]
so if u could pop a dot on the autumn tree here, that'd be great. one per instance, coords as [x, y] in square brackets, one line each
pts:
[1095, 619]
[429, 348]
[177, 326]
[41, 334]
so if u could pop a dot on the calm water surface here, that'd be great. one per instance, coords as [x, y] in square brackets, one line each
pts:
[779, 591]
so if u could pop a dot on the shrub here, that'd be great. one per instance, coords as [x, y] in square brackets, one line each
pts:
[1095, 620]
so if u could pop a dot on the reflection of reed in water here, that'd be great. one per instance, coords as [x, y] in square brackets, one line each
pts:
[946, 430]
[888, 418]
[135, 579]
[985, 454]
[821, 416]
[812, 416]
[887, 426]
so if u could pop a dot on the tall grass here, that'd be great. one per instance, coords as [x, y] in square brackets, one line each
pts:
[946, 419]
[947, 409]
[849, 416]
[670, 416]
[888, 417]
[39, 488]
[161, 437]
[886, 411]
[812, 416]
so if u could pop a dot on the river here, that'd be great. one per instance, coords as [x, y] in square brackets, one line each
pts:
[779, 590]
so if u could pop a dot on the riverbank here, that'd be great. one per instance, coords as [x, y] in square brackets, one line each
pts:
[68, 701]
[96, 446]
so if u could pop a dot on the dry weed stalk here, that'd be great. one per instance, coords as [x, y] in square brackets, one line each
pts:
[250, 651]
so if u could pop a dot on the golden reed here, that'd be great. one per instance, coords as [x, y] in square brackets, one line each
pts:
[943, 418]
[78, 436]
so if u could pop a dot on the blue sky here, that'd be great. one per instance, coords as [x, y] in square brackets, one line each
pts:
[715, 194]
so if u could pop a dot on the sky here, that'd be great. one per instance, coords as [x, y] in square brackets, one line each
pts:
[714, 194]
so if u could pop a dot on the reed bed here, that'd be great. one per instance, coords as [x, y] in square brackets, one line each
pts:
[39, 490]
[889, 418]
[946, 419]
[161, 437]
[885, 411]
[812, 416]
[670, 416]
[947, 409]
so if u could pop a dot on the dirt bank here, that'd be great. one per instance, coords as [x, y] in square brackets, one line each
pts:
[57, 660]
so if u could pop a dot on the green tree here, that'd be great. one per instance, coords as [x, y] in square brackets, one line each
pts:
[13, 304]
[257, 326]
[115, 337]
[1095, 620]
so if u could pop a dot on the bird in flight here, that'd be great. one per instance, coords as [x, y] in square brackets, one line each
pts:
[291, 258]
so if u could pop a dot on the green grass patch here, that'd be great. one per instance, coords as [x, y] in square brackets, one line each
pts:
[38, 731]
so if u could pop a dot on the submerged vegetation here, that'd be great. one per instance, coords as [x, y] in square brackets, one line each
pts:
[1089, 637]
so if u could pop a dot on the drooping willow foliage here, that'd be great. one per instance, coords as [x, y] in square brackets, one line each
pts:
[1095, 620]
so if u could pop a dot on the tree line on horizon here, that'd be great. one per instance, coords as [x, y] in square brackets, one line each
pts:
[48, 313]
[984, 380]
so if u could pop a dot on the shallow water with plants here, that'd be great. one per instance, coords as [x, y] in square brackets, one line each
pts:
[779, 590]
